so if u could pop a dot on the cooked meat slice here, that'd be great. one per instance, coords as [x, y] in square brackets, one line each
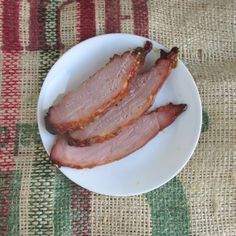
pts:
[95, 95]
[141, 96]
[129, 140]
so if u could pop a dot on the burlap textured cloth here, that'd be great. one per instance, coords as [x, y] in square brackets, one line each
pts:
[36, 199]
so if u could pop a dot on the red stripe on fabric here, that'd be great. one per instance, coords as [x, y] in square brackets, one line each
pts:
[37, 34]
[112, 16]
[140, 11]
[81, 211]
[10, 105]
[11, 33]
[86, 24]
[5, 200]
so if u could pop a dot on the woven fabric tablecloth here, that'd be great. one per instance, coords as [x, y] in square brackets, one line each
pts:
[36, 199]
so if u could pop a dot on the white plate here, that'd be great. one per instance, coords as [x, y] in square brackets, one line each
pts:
[160, 159]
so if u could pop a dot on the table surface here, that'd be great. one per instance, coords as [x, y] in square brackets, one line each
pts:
[36, 199]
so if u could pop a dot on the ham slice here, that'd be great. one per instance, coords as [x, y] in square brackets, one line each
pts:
[95, 95]
[129, 140]
[141, 96]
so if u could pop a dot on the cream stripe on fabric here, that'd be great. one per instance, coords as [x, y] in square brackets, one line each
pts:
[100, 16]
[26, 145]
[68, 25]
[120, 216]
[127, 19]
[24, 23]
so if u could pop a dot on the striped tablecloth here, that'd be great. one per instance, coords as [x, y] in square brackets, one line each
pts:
[36, 199]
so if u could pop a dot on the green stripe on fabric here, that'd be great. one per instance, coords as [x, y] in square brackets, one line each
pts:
[43, 176]
[72, 208]
[62, 208]
[81, 211]
[25, 135]
[15, 197]
[47, 59]
[51, 23]
[9, 202]
[205, 121]
[169, 210]
[41, 200]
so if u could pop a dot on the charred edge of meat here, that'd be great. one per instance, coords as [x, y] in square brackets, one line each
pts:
[169, 54]
[48, 124]
[78, 143]
[57, 163]
[93, 140]
[180, 108]
[143, 50]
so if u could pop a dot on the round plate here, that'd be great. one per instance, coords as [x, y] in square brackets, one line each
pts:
[161, 158]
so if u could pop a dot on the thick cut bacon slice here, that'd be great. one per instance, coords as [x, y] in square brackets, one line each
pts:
[129, 140]
[95, 95]
[141, 95]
